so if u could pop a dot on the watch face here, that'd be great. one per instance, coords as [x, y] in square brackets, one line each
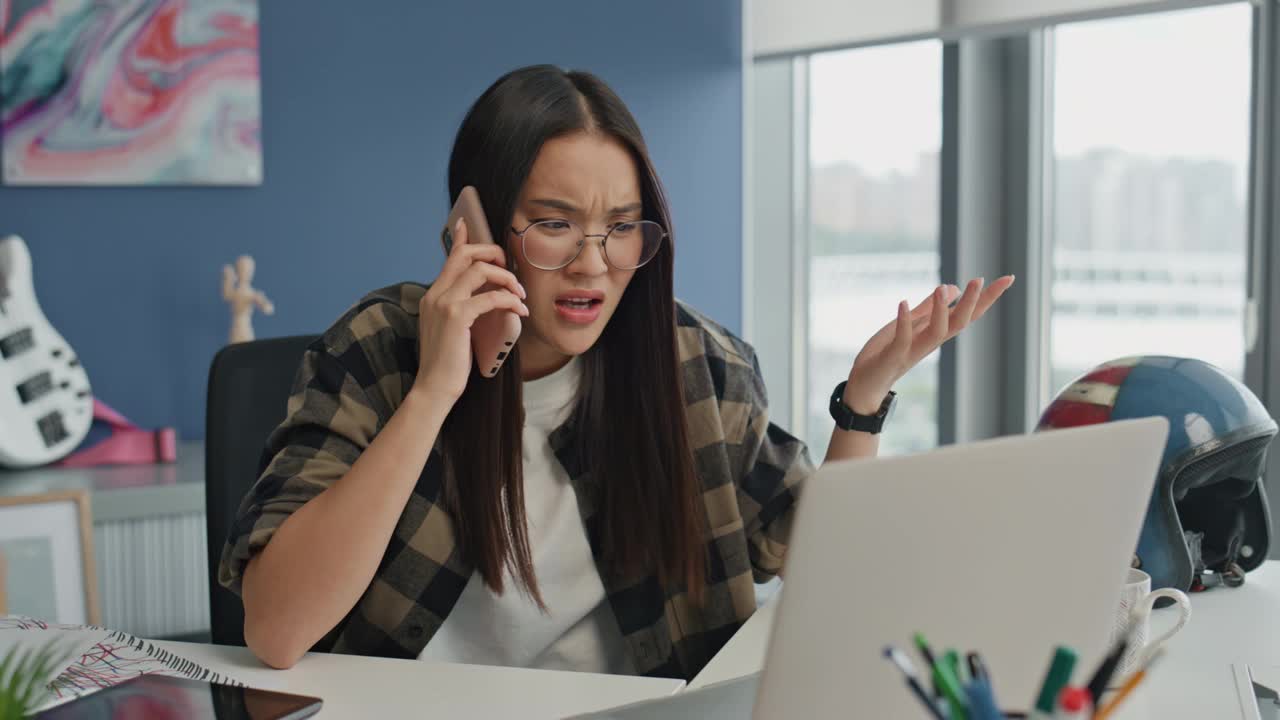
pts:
[893, 407]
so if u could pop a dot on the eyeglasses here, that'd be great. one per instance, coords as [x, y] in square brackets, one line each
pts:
[553, 244]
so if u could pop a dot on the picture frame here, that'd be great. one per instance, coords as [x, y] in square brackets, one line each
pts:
[47, 568]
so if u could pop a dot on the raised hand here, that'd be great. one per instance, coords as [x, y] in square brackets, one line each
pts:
[915, 333]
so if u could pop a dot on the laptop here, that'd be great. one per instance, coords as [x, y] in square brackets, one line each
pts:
[1009, 547]
[727, 700]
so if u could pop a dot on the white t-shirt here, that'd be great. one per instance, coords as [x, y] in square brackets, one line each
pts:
[579, 631]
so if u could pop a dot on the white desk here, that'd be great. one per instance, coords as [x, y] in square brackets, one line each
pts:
[361, 687]
[1193, 680]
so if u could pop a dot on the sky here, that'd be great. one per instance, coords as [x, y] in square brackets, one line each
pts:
[1175, 83]
[877, 108]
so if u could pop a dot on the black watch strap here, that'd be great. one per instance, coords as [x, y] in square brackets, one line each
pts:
[847, 419]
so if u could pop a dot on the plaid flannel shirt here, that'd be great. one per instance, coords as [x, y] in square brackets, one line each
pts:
[355, 376]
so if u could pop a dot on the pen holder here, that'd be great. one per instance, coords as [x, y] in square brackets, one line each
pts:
[924, 715]
[964, 689]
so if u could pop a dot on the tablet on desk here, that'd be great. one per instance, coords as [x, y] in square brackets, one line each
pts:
[158, 697]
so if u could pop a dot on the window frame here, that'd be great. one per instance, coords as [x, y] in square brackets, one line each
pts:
[1262, 359]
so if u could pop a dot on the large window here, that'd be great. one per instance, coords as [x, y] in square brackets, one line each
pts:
[1108, 163]
[875, 129]
[1151, 141]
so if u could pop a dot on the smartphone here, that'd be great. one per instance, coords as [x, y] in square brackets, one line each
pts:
[159, 697]
[494, 333]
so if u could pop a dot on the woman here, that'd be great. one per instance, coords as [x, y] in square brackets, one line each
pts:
[605, 502]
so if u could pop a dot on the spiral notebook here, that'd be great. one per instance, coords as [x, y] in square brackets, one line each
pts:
[96, 657]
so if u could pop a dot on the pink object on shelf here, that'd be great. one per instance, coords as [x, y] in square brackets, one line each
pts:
[127, 443]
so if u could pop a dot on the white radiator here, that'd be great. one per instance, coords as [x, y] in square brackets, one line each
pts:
[151, 575]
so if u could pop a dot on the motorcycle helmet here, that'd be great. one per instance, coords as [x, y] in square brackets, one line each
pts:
[1208, 511]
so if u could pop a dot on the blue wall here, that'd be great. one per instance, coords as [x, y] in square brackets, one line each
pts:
[359, 110]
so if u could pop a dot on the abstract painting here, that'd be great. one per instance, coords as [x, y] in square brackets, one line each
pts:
[130, 92]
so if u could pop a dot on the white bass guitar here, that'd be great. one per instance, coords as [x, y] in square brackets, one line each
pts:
[46, 406]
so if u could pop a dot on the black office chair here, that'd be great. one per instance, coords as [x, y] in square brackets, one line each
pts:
[249, 387]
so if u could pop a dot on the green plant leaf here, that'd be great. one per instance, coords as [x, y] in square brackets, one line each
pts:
[24, 677]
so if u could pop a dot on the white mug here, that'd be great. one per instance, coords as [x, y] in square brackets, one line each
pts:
[1133, 617]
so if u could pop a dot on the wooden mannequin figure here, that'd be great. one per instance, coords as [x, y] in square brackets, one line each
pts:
[238, 291]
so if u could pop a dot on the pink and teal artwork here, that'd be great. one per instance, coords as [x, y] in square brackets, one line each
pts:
[130, 92]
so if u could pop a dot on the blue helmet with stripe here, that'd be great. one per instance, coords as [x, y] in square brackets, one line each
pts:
[1209, 508]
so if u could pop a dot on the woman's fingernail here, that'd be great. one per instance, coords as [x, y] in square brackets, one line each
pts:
[457, 227]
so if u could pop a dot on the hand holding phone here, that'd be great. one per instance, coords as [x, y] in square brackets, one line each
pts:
[469, 312]
[494, 333]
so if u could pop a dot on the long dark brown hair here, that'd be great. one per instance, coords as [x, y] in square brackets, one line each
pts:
[628, 422]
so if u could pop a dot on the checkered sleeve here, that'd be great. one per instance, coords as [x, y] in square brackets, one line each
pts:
[330, 421]
[776, 466]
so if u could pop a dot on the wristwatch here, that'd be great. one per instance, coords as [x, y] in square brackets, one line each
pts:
[847, 419]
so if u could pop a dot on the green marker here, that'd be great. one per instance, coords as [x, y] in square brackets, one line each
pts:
[1064, 661]
[930, 660]
[952, 659]
[944, 674]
